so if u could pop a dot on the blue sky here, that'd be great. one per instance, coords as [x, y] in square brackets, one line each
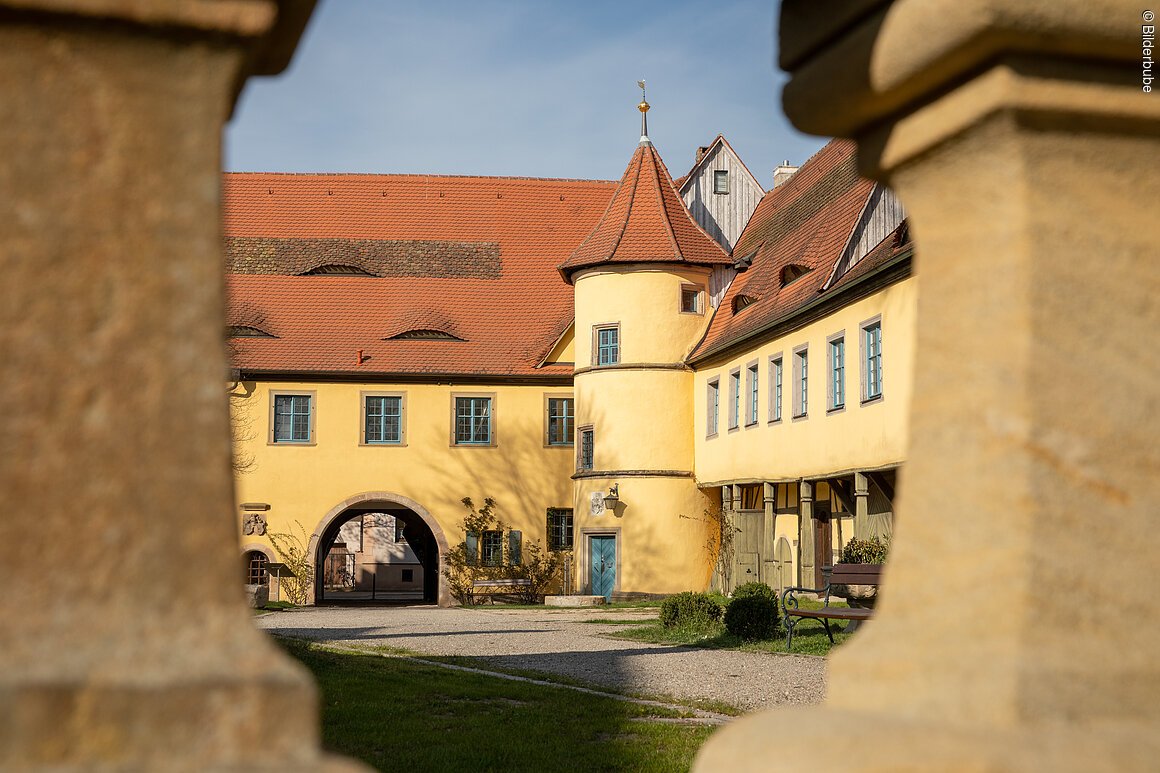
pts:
[537, 88]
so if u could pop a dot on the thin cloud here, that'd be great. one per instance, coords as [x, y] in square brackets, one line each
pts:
[517, 88]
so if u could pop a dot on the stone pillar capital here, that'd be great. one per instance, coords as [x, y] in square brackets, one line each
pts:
[270, 29]
[872, 70]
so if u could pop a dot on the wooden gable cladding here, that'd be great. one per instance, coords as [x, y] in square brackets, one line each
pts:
[720, 192]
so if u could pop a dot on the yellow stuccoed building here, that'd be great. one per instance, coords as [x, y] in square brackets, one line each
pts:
[580, 351]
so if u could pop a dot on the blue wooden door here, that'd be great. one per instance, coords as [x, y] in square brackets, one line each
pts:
[603, 570]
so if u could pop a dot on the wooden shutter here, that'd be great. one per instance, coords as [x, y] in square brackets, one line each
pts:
[472, 543]
[515, 545]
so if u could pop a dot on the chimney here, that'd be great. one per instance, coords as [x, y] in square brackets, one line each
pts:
[701, 151]
[783, 172]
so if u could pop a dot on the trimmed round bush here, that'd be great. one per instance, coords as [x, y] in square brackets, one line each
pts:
[750, 589]
[752, 617]
[689, 609]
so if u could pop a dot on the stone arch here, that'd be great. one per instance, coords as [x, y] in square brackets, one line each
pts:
[371, 497]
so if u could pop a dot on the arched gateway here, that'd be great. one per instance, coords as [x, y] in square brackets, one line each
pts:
[378, 547]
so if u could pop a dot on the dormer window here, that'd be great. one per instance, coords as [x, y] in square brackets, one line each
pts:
[336, 269]
[423, 335]
[792, 273]
[741, 301]
[246, 331]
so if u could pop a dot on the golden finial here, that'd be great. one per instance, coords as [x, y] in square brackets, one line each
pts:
[643, 108]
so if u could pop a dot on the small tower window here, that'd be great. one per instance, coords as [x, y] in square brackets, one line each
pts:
[721, 181]
[607, 348]
[690, 299]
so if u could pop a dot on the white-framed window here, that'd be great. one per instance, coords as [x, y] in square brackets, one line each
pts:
[473, 420]
[382, 419]
[776, 377]
[751, 394]
[735, 398]
[606, 345]
[721, 181]
[587, 451]
[560, 420]
[292, 418]
[713, 408]
[836, 385]
[801, 381]
[871, 359]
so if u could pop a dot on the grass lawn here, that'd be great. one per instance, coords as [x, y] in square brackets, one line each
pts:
[399, 715]
[809, 637]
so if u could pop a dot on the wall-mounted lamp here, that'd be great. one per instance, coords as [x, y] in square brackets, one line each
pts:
[612, 497]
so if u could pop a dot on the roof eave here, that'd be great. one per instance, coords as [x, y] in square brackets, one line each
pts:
[821, 301]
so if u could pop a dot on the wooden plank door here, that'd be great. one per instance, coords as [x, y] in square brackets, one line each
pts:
[822, 543]
[602, 550]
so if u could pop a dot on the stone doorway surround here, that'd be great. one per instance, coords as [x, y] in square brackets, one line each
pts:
[584, 554]
[370, 499]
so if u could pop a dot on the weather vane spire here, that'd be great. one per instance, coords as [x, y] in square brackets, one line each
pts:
[643, 108]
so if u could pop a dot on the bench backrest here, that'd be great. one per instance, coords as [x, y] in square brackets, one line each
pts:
[856, 574]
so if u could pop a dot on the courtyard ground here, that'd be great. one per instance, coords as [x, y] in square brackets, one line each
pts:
[569, 644]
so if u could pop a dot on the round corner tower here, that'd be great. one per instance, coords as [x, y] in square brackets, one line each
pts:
[641, 281]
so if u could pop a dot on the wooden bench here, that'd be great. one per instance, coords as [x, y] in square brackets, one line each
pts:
[840, 574]
[493, 588]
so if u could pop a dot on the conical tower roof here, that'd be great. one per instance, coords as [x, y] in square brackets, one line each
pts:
[646, 222]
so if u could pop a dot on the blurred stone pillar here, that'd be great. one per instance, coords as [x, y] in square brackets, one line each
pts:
[1016, 629]
[126, 643]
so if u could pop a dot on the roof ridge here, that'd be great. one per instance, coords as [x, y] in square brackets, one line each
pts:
[421, 174]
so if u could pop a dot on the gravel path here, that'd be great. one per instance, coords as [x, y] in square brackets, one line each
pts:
[558, 641]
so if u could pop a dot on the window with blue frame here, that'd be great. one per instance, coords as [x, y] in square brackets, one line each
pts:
[587, 449]
[714, 408]
[291, 419]
[473, 421]
[734, 399]
[751, 392]
[608, 345]
[801, 392]
[837, 387]
[775, 389]
[383, 419]
[872, 360]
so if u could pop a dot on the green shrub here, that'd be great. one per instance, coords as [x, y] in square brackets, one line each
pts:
[690, 609]
[752, 617]
[865, 551]
[750, 589]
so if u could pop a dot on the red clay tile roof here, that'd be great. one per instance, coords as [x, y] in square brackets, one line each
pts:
[646, 222]
[806, 221]
[499, 291]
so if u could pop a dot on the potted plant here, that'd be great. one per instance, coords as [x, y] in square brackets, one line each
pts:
[862, 551]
